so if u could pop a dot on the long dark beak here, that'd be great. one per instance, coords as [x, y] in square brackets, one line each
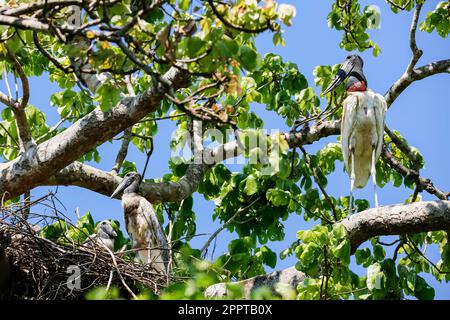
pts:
[109, 229]
[120, 188]
[342, 74]
[112, 232]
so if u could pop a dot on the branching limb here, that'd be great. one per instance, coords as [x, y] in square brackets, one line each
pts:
[423, 216]
[407, 173]
[25, 139]
[268, 25]
[226, 224]
[317, 180]
[417, 53]
[123, 151]
[442, 66]
[404, 147]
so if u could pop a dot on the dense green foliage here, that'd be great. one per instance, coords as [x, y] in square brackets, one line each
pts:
[265, 194]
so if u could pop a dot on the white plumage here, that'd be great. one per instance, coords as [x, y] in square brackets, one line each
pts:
[362, 131]
[362, 126]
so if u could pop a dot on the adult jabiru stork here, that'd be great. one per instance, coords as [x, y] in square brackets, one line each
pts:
[142, 224]
[362, 125]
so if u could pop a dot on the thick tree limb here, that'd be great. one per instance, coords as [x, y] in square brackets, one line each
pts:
[277, 281]
[104, 182]
[35, 166]
[442, 66]
[38, 5]
[410, 218]
[85, 176]
[389, 220]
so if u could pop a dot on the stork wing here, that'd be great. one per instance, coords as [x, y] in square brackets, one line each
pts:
[347, 124]
[157, 233]
[380, 107]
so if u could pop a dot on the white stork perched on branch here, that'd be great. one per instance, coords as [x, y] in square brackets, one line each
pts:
[362, 126]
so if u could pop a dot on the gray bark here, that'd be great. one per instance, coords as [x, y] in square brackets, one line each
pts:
[389, 220]
[33, 167]
[290, 277]
[85, 176]
[397, 219]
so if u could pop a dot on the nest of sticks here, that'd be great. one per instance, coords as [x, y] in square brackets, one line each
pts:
[32, 267]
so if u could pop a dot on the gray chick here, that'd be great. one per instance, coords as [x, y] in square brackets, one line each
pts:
[105, 236]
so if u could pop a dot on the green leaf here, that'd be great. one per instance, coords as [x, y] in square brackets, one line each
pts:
[362, 256]
[101, 293]
[378, 252]
[278, 197]
[269, 257]
[438, 20]
[342, 251]
[422, 290]
[248, 58]
[184, 4]
[251, 185]
[194, 45]
[375, 277]
[108, 95]
[339, 231]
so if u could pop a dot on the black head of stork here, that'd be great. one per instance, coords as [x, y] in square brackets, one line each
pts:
[129, 184]
[351, 68]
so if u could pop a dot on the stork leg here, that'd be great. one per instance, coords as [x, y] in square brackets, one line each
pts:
[352, 180]
[373, 173]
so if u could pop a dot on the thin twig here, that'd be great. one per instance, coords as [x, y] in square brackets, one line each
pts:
[123, 151]
[417, 53]
[316, 178]
[204, 249]
[149, 154]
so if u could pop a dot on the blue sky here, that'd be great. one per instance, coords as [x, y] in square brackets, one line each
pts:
[421, 114]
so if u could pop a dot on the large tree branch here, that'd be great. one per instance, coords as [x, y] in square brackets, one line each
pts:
[442, 66]
[390, 220]
[277, 281]
[104, 182]
[85, 176]
[38, 5]
[35, 166]
[410, 218]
